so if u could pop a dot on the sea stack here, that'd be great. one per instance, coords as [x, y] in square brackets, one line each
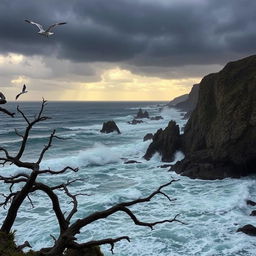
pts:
[141, 114]
[165, 142]
[110, 126]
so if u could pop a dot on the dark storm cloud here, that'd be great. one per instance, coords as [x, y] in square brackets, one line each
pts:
[133, 32]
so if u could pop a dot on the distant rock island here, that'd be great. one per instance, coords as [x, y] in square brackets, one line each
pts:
[220, 135]
[142, 114]
[110, 126]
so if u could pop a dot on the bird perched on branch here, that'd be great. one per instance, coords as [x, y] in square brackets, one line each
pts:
[22, 92]
[46, 32]
[2, 98]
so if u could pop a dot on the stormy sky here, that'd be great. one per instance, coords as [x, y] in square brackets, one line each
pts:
[120, 49]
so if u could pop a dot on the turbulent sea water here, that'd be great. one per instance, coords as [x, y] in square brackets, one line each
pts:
[212, 210]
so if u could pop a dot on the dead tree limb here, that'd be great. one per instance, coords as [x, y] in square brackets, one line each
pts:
[68, 229]
[67, 238]
[7, 112]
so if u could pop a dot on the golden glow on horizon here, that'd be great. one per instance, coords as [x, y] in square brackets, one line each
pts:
[11, 58]
[20, 80]
[120, 84]
[114, 84]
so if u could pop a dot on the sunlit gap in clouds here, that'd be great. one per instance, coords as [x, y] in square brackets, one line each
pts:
[104, 83]
[121, 84]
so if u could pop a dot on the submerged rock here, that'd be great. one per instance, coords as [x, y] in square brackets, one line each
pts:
[156, 118]
[253, 213]
[165, 142]
[135, 121]
[132, 162]
[148, 136]
[165, 166]
[110, 126]
[248, 230]
[142, 114]
[250, 202]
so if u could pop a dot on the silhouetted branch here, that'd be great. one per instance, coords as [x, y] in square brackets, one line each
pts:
[17, 133]
[55, 203]
[8, 198]
[26, 244]
[46, 147]
[68, 231]
[59, 172]
[110, 241]
[67, 238]
[6, 112]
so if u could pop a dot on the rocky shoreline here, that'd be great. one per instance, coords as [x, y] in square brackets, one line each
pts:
[219, 137]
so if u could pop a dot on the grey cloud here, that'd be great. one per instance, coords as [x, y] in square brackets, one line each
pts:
[142, 34]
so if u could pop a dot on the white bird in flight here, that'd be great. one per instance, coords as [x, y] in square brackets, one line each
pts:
[22, 92]
[46, 32]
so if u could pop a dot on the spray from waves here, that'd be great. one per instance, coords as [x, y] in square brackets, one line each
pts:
[98, 155]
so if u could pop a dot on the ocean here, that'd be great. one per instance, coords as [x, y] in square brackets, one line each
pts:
[212, 211]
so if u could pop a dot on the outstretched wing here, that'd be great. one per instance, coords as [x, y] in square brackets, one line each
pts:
[36, 24]
[54, 25]
[18, 96]
[24, 88]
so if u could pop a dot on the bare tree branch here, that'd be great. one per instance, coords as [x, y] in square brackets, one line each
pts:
[55, 203]
[59, 172]
[6, 112]
[74, 202]
[46, 147]
[68, 237]
[38, 119]
[110, 241]
[68, 231]
[26, 244]
[17, 133]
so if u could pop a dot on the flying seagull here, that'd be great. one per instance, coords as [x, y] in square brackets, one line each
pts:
[46, 32]
[22, 92]
[2, 98]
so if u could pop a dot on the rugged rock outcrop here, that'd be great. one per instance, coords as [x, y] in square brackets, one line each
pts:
[165, 142]
[219, 138]
[110, 126]
[248, 229]
[148, 136]
[142, 114]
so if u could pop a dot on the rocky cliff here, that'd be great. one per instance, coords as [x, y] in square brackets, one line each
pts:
[219, 138]
[177, 100]
[190, 103]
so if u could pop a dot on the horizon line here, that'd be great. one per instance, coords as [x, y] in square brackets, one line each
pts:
[89, 101]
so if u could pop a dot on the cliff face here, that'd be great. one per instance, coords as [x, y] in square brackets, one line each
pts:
[220, 135]
[177, 100]
[190, 103]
